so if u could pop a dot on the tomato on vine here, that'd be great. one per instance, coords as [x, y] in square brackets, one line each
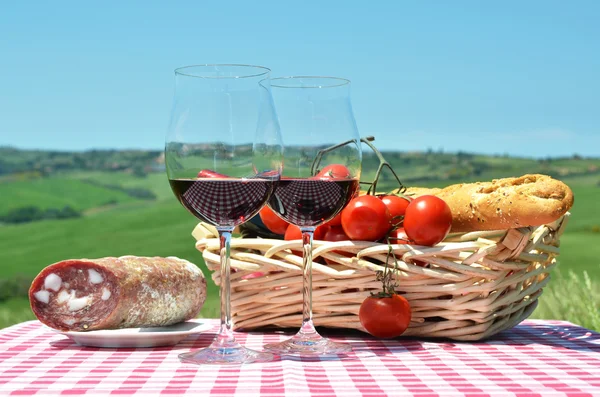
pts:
[336, 221]
[396, 205]
[210, 174]
[398, 236]
[385, 314]
[366, 218]
[272, 221]
[293, 232]
[428, 220]
[385, 317]
[336, 233]
[334, 171]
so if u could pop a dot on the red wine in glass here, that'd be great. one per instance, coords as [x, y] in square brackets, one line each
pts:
[222, 202]
[223, 117]
[311, 201]
[316, 119]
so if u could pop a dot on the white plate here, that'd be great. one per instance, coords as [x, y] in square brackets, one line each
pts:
[138, 337]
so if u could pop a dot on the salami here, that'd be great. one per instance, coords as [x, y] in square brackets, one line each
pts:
[108, 293]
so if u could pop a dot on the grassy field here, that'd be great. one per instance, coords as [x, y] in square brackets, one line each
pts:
[133, 227]
[57, 192]
[162, 228]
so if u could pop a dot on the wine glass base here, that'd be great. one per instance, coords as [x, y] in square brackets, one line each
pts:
[225, 355]
[310, 345]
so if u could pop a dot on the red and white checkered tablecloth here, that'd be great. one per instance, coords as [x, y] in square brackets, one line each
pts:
[542, 358]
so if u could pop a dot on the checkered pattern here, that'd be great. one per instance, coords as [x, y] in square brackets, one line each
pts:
[304, 201]
[227, 202]
[537, 358]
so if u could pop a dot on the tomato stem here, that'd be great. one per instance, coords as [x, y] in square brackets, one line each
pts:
[382, 163]
[387, 279]
[317, 161]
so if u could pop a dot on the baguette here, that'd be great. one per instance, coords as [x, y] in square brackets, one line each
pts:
[529, 200]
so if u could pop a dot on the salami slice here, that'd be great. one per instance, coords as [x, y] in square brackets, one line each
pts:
[108, 293]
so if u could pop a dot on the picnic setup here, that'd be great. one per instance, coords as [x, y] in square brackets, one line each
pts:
[329, 284]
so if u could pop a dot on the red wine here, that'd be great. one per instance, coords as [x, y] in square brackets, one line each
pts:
[310, 202]
[223, 202]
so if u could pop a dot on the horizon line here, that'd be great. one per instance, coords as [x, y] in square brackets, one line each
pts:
[440, 150]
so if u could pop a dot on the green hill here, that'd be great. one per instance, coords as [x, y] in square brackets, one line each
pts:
[161, 227]
[57, 192]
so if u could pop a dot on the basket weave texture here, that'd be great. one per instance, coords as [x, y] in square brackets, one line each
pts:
[475, 284]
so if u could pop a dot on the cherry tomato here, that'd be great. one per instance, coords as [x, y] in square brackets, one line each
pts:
[336, 221]
[428, 220]
[210, 174]
[273, 222]
[334, 171]
[293, 233]
[398, 236]
[336, 233]
[366, 218]
[396, 205]
[386, 317]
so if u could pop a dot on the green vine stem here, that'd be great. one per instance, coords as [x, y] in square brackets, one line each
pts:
[387, 276]
[382, 163]
[317, 161]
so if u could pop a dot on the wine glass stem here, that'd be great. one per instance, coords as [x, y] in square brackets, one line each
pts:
[225, 335]
[307, 315]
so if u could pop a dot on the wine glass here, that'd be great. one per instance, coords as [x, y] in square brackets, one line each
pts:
[321, 174]
[223, 156]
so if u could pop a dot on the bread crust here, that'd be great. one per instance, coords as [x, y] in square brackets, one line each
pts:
[529, 200]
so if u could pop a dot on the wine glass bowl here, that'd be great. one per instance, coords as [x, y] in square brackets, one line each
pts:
[320, 176]
[223, 156]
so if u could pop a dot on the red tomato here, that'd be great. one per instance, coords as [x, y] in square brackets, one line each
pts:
[334, 171]
[336, 221]
[428, 220]
[336, 233]
[366, 218]
[210, 174]
[273, 222]
[293, 233]
[385, 317]
[396, 205]
[398, 236]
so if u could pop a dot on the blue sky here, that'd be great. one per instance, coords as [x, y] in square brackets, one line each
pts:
[518, 77]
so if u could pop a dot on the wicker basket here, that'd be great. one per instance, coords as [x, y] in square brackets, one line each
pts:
[476, 284]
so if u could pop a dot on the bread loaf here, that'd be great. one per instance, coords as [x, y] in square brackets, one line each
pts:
[529, 200]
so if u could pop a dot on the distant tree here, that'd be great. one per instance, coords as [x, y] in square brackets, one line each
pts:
[22, 215]
[16, 286]
[139, 171]
[68, 212]
[143, 194]
[32, 213]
